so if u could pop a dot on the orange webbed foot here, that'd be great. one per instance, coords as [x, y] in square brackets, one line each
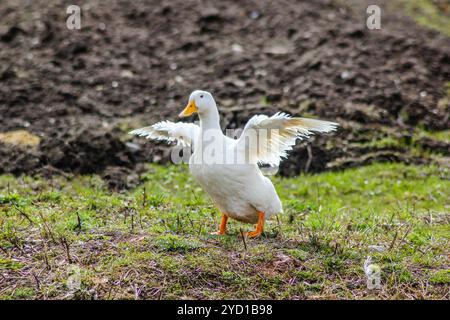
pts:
[253, 234]
[223, 226]
[259, 227]
[217, 233]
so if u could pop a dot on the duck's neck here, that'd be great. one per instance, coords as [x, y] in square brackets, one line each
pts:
[210, 120]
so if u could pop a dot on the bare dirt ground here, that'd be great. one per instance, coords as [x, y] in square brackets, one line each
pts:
[135, 62]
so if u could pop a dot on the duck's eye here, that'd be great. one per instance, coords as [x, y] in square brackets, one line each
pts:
[201, 96]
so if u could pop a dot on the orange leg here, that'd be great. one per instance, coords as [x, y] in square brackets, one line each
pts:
[259, 227]
[223, 225]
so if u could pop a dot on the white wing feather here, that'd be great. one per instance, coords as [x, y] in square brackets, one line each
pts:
[276, 135]
[182, 133]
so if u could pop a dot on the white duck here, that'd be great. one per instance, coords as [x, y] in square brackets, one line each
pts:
[227, 168]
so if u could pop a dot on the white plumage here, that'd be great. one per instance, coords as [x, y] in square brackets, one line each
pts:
[226, 168]
[281, 132]
[182, 133]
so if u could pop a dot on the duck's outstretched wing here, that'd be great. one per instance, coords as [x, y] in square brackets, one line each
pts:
[184, 134]
[268, 139]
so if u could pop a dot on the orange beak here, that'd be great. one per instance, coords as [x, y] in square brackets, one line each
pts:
[190, 109]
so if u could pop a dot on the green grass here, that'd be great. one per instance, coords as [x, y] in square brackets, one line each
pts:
[443, 135]
[429, 14]
[154, 242]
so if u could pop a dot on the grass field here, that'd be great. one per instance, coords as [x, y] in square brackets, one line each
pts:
[72, 238]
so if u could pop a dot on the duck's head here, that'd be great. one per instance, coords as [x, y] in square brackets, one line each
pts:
[199, 101]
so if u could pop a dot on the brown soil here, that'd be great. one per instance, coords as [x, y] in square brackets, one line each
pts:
[135, 62]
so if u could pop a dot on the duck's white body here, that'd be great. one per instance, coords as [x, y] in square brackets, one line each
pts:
[238, 188]
[238, 191]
